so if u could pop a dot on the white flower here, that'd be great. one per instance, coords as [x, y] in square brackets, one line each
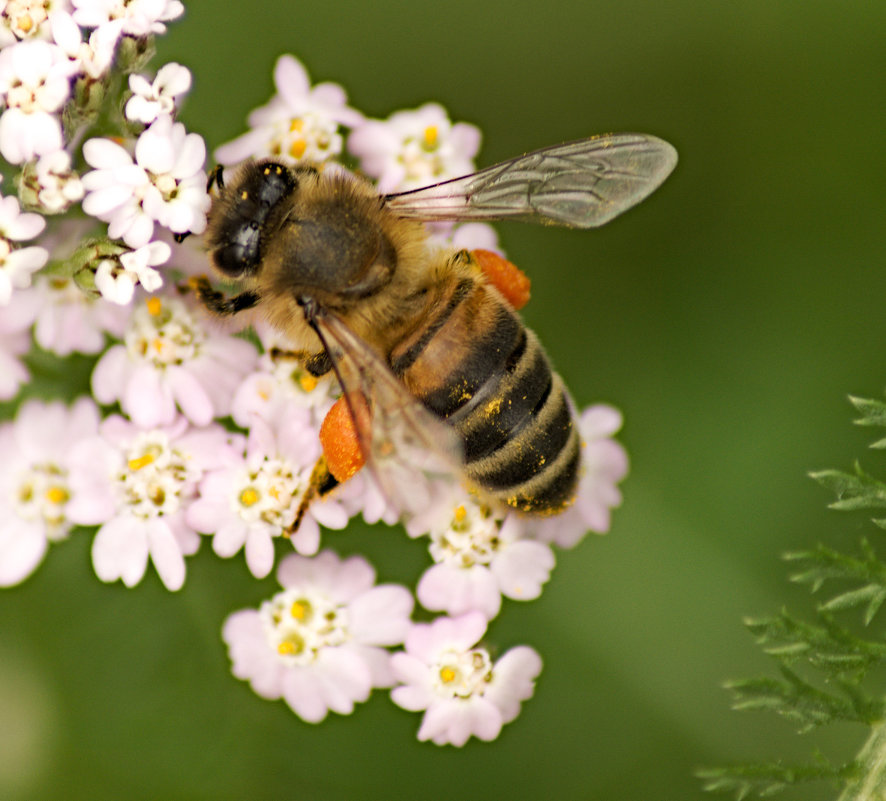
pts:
[299, 122]
[17, 264]
[70, 321]
[165, 183]
[462, 691]
[479, 556]
[26, 19]
[248, 504]
[58, 186]
[167, 359]
[415, 148]
[35, 481]
[604, 463]
[15, 340]
[116, 278]
[92, 57]
[319, 644]
[35, 79]
[139, 17]
[137, 484]
[150, 100]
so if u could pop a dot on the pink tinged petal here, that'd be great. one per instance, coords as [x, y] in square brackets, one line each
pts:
[291, 79]
[148, 399]
[120, 551]
[380, 616]
[457, 590]
[416, 691]
[302, 691]
[600, 421]
[306, 540]
[109, 377]
[426, 640]
[186, 538]
[192, 399]
[454, 721]
[513, 680]
[328, 512]
[259, 551]
[378, 662]
[22, 547]
[245, 146]
[229, 538]
[353, 577]
[166, 554]
[521, 569]
[345, 678]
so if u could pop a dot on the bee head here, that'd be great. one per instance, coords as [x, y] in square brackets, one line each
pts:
[241, 213]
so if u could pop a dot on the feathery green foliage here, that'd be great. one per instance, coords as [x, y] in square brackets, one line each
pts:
[825, 664]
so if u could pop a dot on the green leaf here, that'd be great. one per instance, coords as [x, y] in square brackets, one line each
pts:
[769, 778]
[859, 491]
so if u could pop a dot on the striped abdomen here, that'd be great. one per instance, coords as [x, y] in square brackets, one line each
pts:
[478, 367]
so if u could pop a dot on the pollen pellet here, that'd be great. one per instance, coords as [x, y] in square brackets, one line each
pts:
[339, 439]
[505, 276]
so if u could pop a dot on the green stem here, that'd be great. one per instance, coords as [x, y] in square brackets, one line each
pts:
[869, 781]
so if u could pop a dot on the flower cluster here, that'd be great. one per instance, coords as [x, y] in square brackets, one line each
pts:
[191, 430]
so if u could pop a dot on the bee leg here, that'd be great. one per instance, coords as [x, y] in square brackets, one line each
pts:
[219, 303]
[317, 364]
[342, 453]
[505, 276]
[321, 483]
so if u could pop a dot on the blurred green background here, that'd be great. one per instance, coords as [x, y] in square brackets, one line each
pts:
[728, 316]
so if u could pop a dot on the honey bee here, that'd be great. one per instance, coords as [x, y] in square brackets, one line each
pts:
[425, 341]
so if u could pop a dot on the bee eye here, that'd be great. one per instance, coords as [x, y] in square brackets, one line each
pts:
[240, 252]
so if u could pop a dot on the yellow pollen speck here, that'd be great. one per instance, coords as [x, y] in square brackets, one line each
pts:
[460, 513]
[154, 306]
[140, 462]
[447, 675]
[25, 23]
[431, 136]
[244, 195]
[307, 382]
[158, 344]
[297, 148]
[249, 497]
[56, 495]
[287, 648]
[296, 124]
[274, 492]
[300, 610]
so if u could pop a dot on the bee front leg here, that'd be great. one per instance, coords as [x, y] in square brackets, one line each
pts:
[321, 483]
[219, 303]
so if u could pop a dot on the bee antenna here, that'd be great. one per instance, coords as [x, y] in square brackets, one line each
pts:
[216, 178]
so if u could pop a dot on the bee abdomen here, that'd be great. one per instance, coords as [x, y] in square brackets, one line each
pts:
[478, 367]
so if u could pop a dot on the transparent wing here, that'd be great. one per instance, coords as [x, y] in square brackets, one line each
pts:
[405, 445]
[581, 184]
